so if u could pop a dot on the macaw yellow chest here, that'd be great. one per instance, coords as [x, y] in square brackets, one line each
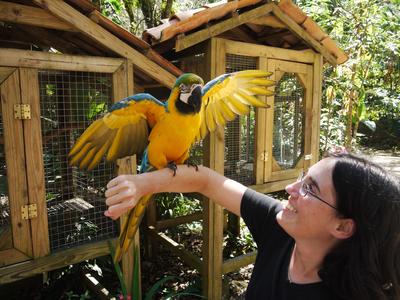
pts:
[171, 138]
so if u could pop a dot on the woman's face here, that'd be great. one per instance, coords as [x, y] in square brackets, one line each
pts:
[308, 217]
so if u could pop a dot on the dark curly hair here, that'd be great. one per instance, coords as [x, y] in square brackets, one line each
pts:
[366, 265]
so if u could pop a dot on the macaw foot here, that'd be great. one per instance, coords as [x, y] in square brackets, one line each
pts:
[190, 164]
[171, 165]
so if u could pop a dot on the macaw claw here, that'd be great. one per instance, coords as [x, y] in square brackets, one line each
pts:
[190, 164]
[171, 165]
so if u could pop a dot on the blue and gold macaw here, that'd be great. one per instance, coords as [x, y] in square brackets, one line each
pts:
[164, 132]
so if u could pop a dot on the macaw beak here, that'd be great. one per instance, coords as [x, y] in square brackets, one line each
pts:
[195, 96]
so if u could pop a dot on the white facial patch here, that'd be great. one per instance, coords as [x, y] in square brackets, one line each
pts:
[185, 97]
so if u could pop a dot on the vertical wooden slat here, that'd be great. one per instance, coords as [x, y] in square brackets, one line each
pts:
[261, 132]
[213, 213]
[316, 107]
[15, 160]
[128, 166]
[271, 67]
[308, 117]
[34, 161]
[123, 85]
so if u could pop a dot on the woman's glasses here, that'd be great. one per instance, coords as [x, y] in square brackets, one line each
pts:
[305, 189]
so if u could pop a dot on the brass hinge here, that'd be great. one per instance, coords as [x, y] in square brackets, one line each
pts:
[264, 156]
[29, 211]
[22, 111]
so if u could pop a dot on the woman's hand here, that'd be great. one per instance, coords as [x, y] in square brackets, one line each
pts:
[122, 194]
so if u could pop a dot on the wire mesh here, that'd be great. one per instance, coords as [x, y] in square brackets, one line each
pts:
[4, 203]
[239, 133]
[70, 101]
[289, 118]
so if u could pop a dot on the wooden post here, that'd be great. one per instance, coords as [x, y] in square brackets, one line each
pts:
[213, 213]
[123, 86]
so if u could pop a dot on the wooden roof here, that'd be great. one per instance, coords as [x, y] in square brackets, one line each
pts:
[282, 25]
[77, 27]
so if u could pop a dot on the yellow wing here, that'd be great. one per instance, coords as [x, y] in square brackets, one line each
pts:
[123, 131]
[232, 94]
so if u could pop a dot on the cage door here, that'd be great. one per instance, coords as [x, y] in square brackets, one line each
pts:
[289, 122]
[15, 231]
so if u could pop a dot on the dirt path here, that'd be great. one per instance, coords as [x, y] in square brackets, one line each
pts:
[388, 160]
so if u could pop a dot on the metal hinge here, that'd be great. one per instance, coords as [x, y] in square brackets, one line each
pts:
[264, 156]
[307, 157]
[22, 111]
[29, 211]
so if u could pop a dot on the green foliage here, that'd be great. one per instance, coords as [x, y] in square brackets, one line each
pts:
[369, 33]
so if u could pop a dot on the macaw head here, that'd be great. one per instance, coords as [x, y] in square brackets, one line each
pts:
[189, 99]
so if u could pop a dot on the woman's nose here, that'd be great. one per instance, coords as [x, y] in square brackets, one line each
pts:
[293, 188]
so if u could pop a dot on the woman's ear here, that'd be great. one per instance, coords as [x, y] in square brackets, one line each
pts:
[344, 228]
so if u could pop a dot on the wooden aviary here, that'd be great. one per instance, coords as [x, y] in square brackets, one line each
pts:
[269, 148]
[61, 64]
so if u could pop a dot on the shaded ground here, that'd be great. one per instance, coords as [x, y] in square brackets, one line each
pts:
[387, 159]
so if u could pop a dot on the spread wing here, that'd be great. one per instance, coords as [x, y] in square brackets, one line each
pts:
[123, 131]
[232, 94]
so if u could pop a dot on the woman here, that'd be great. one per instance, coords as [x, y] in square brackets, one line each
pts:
[337, 237]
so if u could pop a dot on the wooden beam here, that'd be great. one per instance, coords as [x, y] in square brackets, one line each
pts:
[188, 257]
[45, 60]
[238, 262]
[34, 166]
[304, 35]
[5, 72]
[214, 30]
[162, 224]
[94, 31]
[54, 261]
[23, 14]
[240, 48]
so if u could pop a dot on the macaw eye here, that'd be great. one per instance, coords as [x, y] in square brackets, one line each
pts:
[184, 88]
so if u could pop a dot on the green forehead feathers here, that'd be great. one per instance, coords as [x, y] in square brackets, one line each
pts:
[188, 79]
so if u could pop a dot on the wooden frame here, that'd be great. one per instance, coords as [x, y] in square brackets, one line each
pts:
[308, 65]
[26, 171]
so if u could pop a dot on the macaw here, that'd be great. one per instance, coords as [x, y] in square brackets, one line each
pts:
[164, 132]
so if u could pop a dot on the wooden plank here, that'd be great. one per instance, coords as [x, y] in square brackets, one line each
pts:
[308, 115]
[122, 89]
[5, 72]
[53, 261]
[240, 48]
[304, 35]
[260, 133]
[234, 264]
[188, 257]
[34, 161]
[101, 35]
[214, 30]
[162, 224]
[271, 187]
[268, 157]
[44, 60]
[290, 67]
[12, 256]
[286, 174]
[15, 160]
[316, 108]
[270, 21]
[23, 14]
[213, 219]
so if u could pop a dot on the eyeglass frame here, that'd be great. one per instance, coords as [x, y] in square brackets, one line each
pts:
[300, 179]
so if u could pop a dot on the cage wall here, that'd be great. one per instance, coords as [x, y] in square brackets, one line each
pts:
[69, 102]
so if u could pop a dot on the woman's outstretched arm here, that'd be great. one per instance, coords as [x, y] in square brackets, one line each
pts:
[124, 191]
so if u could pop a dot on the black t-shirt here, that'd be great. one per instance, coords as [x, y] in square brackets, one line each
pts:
[270, 274]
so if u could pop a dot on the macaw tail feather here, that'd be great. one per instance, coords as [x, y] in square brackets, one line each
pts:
[130, 227]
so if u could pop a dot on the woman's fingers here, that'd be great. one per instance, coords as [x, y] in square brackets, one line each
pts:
[121, 195]
[115, 211]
